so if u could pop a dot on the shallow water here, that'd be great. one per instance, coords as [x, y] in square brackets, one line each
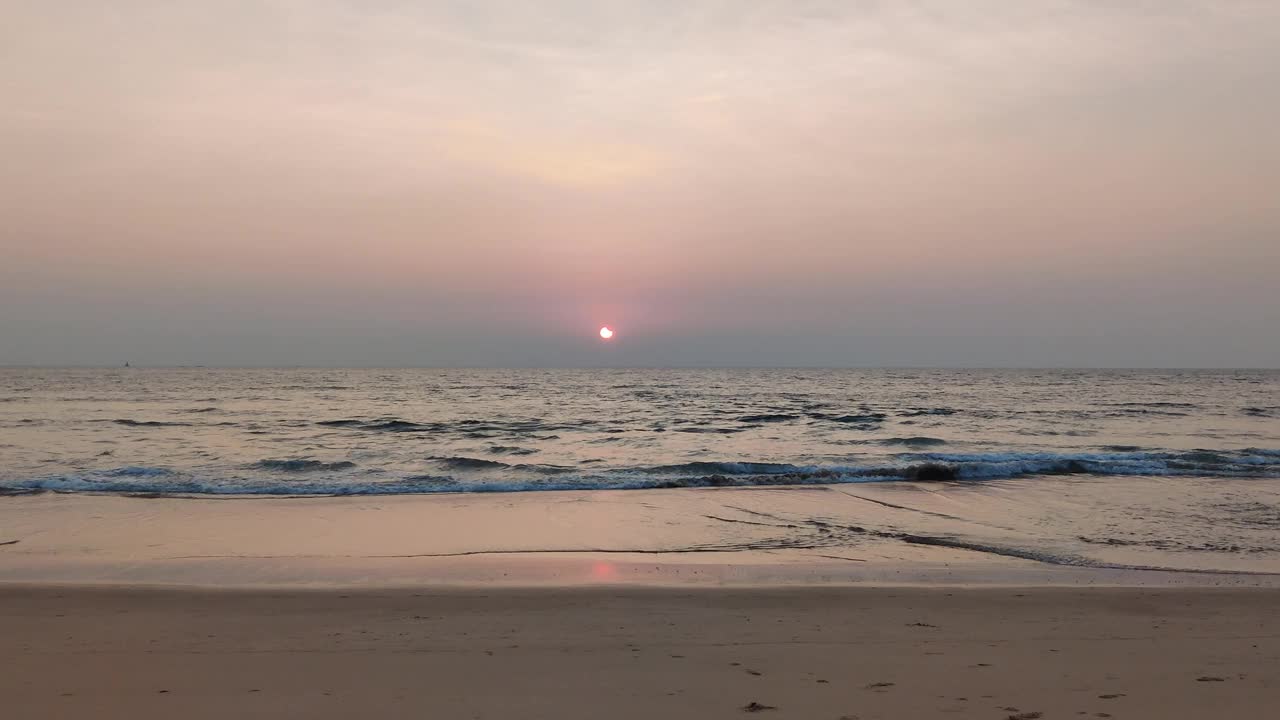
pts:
[369, 431]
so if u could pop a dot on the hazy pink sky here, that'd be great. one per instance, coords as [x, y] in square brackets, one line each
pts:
[725, 182]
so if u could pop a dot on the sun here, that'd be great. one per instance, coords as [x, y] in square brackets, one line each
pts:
[605, 333]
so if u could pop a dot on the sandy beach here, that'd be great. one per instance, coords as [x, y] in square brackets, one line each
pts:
[892, 600]
[640, 653]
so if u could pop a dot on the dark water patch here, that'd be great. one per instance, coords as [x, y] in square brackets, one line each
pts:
[1262, 412]
[932, 472]
[384, 425]
[148, 423]
[913, 441]
[511, 450]
[724, 468]
[1154, 404]
[202, 410]
[1202, 457]
[722, 480]
[439, 479]
[19, 491]
[1139, 411]
[544, 469]
[921, 412]
[469, 428]
[139, 471]
[342, 423]
[715, 430]
[467, 463]
[866, 418]
[401, 426]
[302, 465]
[768, 418]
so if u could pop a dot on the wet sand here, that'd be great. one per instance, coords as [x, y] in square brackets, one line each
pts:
[1044, 530]
[640, 653]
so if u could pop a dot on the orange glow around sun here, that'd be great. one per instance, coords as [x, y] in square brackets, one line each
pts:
[605, 333]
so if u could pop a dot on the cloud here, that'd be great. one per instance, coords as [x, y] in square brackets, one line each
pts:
[678, 158]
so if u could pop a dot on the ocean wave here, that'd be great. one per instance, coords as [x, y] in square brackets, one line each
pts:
[768, 417]
[467, 463]
[1125, 411]
[715, 430]
[727, 468]
[511, 450]
[383, 425]
[865, 418]
[149, 423]
[913, 441]
[460, 462]
[466, 474]
[467, 428]
[919, 412]
[139, 471]
[300, 465]
[1153, 403]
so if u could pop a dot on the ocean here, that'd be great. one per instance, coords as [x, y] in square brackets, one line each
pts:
[374, 431]
[1118, 469]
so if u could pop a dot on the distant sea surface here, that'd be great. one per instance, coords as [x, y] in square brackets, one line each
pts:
[372, 431]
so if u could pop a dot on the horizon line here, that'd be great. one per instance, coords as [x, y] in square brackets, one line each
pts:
[28, 366]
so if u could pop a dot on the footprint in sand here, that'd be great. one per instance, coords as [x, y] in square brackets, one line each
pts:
[880, 685]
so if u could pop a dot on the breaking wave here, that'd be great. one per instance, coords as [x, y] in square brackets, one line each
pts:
[467, 474]
[300, 465]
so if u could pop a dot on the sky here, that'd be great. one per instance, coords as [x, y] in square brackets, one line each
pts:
[723, 182]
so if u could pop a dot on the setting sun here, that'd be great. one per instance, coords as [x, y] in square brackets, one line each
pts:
[606, 333]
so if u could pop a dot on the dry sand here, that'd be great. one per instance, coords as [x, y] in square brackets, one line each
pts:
[634, 652]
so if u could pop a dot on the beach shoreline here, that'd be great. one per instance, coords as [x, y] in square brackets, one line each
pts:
[692, 603]
[1042, 531]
